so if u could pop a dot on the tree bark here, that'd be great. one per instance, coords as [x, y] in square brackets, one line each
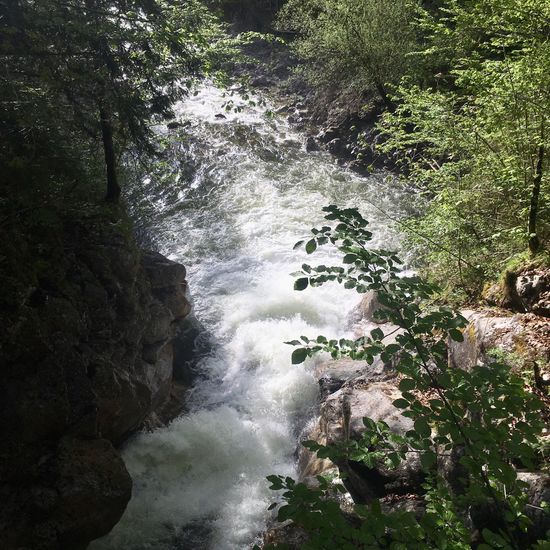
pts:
[534, 241]
[381, 89]
[113, 188]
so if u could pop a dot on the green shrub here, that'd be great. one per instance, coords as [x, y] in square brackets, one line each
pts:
[487, 412]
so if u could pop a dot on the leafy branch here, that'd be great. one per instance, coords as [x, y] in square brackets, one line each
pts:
[486, 412]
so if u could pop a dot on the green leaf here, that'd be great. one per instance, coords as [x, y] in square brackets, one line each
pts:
[493, 538]
[422, 427]
[377, 334]
[349, 258]
[391, 348]
[299, 356]
[456, 335]
[301, 284]
[401, 403]
[311, 246]
[407, 384]
[428, 460]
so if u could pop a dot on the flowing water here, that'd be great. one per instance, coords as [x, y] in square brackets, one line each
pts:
[240, 191]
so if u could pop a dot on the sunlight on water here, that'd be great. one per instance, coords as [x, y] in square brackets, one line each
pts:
[244, 192]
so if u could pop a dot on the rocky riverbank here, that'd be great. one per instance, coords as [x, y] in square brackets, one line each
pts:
[87, 359]
[339, 121]
[351, 390]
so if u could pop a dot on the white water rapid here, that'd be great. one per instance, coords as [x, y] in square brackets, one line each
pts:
[243, 193]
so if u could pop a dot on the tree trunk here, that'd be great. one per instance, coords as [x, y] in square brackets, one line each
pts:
[113, 188]
[381, 89]
[534, 241]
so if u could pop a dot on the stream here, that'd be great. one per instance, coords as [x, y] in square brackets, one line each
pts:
[240, 191]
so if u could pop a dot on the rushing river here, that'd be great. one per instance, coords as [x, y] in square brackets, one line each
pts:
[242, 192]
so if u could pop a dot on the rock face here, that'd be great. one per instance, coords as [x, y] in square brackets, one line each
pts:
[87, 358]
[351, 390]
[524, 291]
[526, 334]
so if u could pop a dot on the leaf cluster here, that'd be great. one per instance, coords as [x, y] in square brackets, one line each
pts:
[486, 412]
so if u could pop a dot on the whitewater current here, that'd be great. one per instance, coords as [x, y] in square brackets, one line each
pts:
[229, 201]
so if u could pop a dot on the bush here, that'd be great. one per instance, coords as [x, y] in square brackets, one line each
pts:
[487, 412]
[359, 42]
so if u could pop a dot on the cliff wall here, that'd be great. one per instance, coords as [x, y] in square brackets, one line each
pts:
[87, 355]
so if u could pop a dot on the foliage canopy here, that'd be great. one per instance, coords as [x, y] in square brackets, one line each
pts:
[79, 73]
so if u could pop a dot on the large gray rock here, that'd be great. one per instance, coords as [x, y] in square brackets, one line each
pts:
[86, 358]
[525, 334]
[526, 291]
[533, 290]
[368, 309]
[332, 375]
[341, 418]
[484, 332]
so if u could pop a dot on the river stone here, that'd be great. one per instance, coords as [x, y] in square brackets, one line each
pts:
[359, 166]
[260, 81]
[335, 146]
[533, 290]
[483, 333]
[293, 118]
[341, 416]
[311, 144]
